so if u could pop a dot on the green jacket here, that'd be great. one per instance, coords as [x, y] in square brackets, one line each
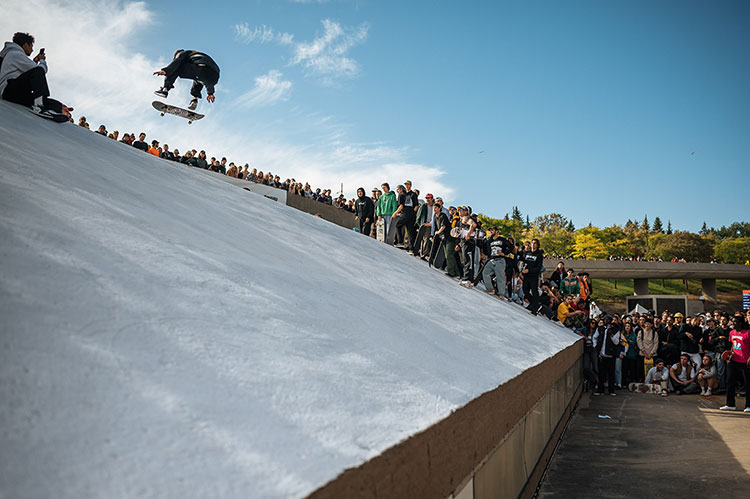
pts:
[387, 204]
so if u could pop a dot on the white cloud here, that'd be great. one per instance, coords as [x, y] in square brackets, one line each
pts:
[94, 66]
[327, 55]
[269, 88]
[261, 34]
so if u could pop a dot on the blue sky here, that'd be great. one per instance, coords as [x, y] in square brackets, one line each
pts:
[591, 109]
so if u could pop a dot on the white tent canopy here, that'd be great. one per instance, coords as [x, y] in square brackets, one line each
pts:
[639, 308]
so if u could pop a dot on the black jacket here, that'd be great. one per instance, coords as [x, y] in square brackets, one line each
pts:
[364, 208]
[193, 65]
[533, 260]
[687, 344]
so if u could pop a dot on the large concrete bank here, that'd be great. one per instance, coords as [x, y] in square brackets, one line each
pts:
[496, 446]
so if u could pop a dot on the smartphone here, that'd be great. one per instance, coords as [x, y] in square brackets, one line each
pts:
[41, 51]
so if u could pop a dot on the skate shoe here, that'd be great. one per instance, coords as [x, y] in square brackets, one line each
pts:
[193, 104]
[162, 92]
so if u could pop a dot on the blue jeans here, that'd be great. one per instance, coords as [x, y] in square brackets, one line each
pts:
[618, 371]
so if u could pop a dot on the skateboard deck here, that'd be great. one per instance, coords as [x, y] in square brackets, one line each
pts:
[380, 230]
[177, 111]
[390, 237]
[644, 388]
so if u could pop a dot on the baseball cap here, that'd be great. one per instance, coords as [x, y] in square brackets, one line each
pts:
[428, 195]
[678, 314]
[439, 199]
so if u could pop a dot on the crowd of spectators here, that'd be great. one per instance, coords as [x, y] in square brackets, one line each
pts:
[669, 353]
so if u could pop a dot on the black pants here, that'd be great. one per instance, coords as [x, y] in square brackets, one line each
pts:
[203, 75]
[406, 221]
[735, 370]
[531, 290]
[365, 227]
[606, 373]
[591, 365]
[467, 259]
[28, 86]
[629, 371]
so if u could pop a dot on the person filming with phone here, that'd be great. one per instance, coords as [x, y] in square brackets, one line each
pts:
[23, 80]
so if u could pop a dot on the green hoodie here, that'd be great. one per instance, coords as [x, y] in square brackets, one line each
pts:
[387, 204]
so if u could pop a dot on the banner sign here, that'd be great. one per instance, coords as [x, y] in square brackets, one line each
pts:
[746, 299]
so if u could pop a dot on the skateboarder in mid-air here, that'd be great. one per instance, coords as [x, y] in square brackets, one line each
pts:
[191, 65]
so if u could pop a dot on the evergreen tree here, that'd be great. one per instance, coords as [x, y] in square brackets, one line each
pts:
[657, 227]
[645, 225]
[669, 226]
[570, 227]
[516, 215]
[527, 225]
[506, 217]
[704, 229]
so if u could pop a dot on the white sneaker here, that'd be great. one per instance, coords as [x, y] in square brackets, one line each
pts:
[613, 394]
[162, 92]
[747, 409]
[193, 104]
[708, 392]
[703, 391]
[728, 408]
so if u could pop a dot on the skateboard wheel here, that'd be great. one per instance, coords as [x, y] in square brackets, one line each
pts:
[162, 114]
[190, 122]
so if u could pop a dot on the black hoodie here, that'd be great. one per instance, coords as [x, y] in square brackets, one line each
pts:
[364, 208]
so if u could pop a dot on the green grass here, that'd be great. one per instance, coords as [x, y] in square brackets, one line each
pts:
[605, 290]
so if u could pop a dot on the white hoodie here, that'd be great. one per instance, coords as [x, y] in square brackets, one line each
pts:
[15, 63]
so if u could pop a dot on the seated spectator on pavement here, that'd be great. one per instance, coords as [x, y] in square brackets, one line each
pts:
[82, 122]
[102, 130]
[683, 375]
[659, 375]
[708, 378]
[24, 80]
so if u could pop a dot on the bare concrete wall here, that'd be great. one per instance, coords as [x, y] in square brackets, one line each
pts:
[326, 211]
[501, 433]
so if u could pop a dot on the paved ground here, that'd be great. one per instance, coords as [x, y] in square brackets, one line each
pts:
[678, 446]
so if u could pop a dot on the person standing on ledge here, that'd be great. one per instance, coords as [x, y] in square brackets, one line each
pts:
[191, 65]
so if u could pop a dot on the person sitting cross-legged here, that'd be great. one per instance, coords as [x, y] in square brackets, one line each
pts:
[659, 375]
[683, 375]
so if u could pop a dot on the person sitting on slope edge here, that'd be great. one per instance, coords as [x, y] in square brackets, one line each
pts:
[23, 80]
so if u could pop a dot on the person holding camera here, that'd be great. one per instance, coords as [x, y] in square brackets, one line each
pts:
[23, 80]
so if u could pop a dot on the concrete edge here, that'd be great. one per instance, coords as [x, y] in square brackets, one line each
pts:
[439, 460]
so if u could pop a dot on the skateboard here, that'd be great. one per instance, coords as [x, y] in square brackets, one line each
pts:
[177, 111]
[647, 365]
[644, 388]
[390, 237]
[380, 230]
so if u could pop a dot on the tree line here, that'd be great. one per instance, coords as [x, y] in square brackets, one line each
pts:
[632, 240]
